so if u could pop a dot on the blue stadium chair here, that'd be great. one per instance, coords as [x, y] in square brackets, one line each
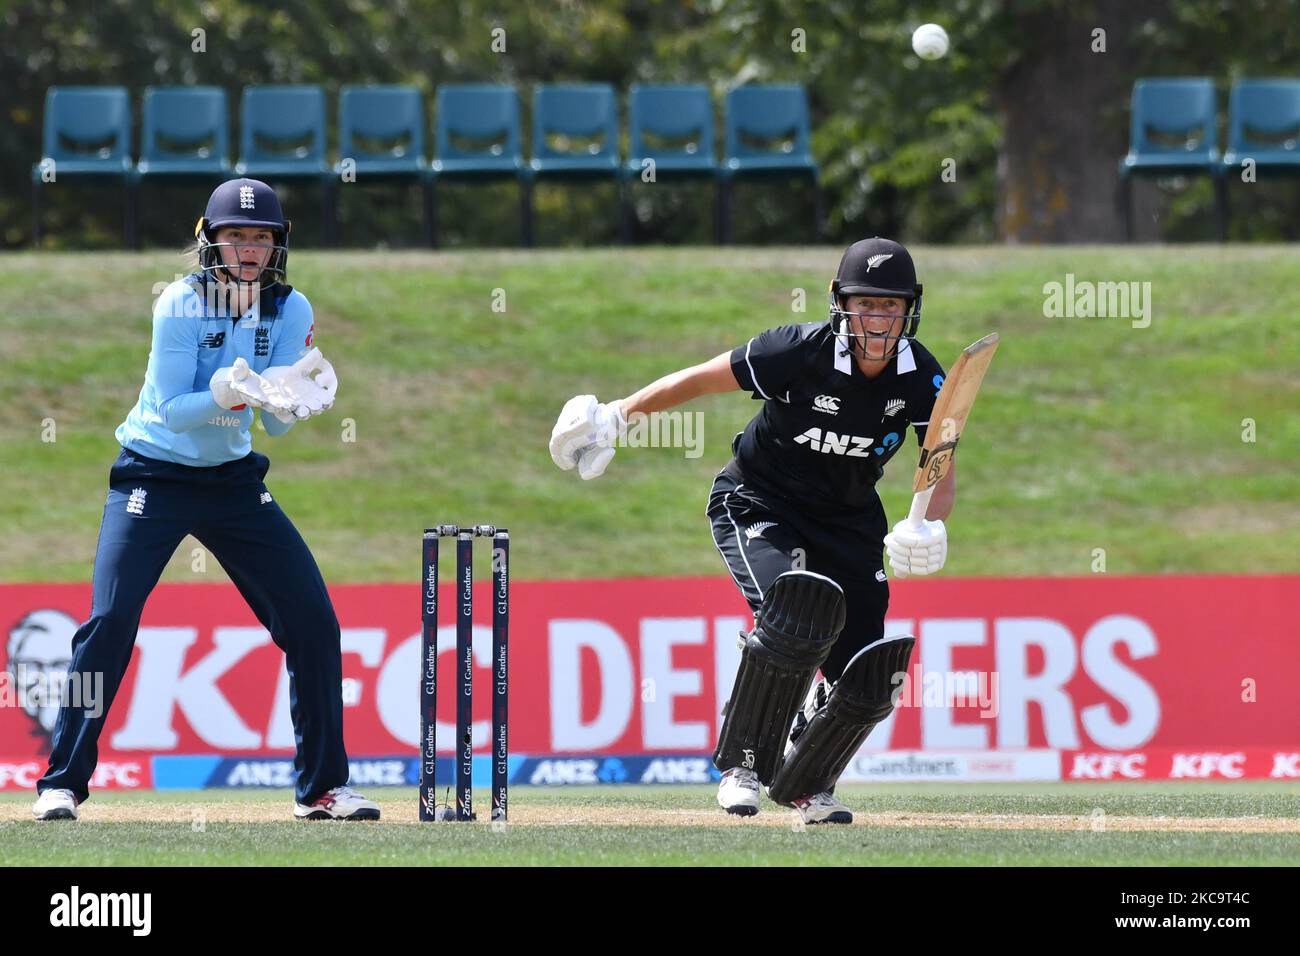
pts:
[1264, 125]
[479, 139]
[575, 134]
[1172, 131]
[87, 135]
[768, 138]
[673, 126]
[381, 130]
[185, 135]
[282, 138]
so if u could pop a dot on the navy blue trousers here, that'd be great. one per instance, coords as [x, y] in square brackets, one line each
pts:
[151, 506]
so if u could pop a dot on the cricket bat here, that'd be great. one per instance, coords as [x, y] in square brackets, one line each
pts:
[948, 421]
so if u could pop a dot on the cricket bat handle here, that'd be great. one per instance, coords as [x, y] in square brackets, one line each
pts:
[920, 505]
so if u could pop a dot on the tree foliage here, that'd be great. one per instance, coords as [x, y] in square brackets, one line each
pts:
[884, 121]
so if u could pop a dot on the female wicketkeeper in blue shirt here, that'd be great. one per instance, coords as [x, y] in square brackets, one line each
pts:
[229, 338]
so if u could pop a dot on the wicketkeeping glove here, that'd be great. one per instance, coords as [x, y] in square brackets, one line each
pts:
[238, 385]
[302, 395]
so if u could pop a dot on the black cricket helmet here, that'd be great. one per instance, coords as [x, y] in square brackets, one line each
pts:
[253, 204]
[878, 267]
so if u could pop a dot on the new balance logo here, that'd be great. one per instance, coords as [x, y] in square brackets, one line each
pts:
[135, 504]
[832, 444]
[756, 530]
[894, 406]
[213, 340]
[265, 498]
[829, 404]
[873, 261]
[246, 197]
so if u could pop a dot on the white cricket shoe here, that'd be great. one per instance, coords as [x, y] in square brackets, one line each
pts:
[738, 792]
[55, 805]
[822, 808]
[341, 803]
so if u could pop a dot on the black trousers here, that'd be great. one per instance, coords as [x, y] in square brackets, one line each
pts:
[762, 536]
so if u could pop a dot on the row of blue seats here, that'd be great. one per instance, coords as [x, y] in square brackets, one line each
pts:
[478, 136]
[1174, 131]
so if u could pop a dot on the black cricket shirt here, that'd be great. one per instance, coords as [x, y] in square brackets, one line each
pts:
[825, 430]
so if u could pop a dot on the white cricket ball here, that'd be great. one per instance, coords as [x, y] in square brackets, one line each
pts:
[930, 41]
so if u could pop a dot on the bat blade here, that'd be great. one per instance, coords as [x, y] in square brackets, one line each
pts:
[948, 421]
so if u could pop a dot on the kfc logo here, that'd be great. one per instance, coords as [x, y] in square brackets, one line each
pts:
[1285, 765]
[1108, 766]
[39, 651]
[1204, 766]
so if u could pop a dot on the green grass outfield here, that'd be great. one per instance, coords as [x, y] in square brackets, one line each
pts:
[1123, 824]
[1090, 434]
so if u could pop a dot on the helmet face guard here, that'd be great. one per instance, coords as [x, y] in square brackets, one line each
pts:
[881, 268]
[212, 261]
[841, 320]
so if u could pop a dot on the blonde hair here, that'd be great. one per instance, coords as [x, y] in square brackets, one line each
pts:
[190, 254]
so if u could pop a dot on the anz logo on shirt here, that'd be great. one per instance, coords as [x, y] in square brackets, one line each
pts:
[830, 443]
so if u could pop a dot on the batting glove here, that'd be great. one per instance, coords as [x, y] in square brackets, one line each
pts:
[584, 435]
[917, 550]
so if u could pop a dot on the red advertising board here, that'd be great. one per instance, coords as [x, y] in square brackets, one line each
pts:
[1097, 665]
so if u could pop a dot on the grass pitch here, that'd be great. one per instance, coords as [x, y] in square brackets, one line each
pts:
[1159, 445]
[1099, 824]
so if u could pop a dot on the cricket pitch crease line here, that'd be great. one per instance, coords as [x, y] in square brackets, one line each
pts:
[597, 815]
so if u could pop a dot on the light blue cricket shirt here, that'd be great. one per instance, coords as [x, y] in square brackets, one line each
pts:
[175, 419]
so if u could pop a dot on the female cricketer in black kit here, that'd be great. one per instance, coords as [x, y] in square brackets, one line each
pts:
[798, 522]
[229, 338]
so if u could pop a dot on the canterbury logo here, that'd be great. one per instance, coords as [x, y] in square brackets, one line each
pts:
[756, 530]
[829, 404]
[873, 261]
[894, 406]
[832, 444]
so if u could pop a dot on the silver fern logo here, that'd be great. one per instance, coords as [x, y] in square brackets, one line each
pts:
[873, 261]
[756, 530]
[893, 406]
